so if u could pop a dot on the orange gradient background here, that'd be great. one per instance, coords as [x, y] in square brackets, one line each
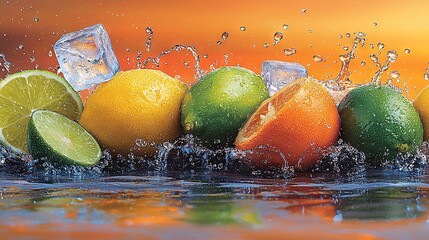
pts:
[398, 24]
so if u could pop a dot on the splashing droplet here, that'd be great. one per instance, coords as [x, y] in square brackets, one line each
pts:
[407, 51]
[363, 63]
[226, 58]
[36, 19]
[348, 35]
[186, 64]
[206, 55]
[380, 45]
[426, 75]
[371, 46]
[375, 24]
[266, 45]
[243, 28]
[346, 48]
[395, 74]
[127, 49]
[32, 59]
[219, 42]
[285, 26]
[6, 64]
[156, 60]
[50, 53]
[374, 58]
[278, 36]
[20, 47]
[289, 51]
[303, 11]
[149, 31]
[318, 58]
[392, 55]
[225, 35]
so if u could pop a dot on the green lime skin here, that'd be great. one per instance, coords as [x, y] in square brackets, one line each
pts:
[59, 139]
[380, 122]
[219, 104]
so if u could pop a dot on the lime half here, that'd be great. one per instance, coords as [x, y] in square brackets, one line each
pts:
[61, 140]
[24, 92]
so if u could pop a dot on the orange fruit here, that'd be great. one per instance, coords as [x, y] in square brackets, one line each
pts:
[301, 120]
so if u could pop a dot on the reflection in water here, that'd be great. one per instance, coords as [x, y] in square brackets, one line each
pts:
[220, 206]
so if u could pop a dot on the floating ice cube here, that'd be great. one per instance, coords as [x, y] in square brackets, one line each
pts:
[277, 74]
[86, 57]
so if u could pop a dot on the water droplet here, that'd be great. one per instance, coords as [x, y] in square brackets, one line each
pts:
[50, 53]
[395, 74]
[206, 55]
[363, 63]
[318, 58]
[127, 49]
[243, 28]
[392, 55]
[219, 42]
[371, 46]
[348, 35]
[309, 31]
[20, 47]
[149, 30]
[303, 11]
[285, 26]
[407, 51]
[186, 64]
[36, 19]
[226, 58]
[374, 58]
[346, 48]
[225, 35]
[289, 51]
[278, 36]
[380, 45]
[375, 24]
[32, 59]
[426, 76]
[341, 36]
[266, 45]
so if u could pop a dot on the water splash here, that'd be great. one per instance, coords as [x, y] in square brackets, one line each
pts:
[392, 55]
[149, 31]
[223, 37]
[342, 79]
[426, 74]
[341, 84]
[5, 65]
[199, 72]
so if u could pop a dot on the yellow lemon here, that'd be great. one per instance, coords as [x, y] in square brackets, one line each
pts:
[421, 103]
[136, 104]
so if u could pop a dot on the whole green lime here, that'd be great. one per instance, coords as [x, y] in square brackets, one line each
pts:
[380, 122]
[218, 105]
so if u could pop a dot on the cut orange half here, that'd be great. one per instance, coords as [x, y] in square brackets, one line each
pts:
[301, 120]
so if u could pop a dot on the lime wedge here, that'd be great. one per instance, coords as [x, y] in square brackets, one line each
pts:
[61, 140]
[24, 92]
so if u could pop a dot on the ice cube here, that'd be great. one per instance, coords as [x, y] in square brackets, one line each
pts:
[277, 74]
[86, 57]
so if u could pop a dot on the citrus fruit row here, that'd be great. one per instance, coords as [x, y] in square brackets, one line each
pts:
[229, 106]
